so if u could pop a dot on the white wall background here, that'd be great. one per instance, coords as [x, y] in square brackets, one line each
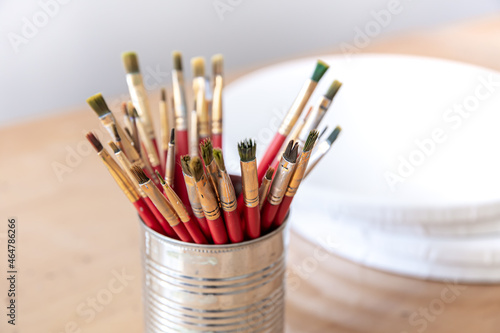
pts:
[76, 51]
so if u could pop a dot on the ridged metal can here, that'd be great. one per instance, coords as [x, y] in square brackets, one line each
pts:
[214, 288]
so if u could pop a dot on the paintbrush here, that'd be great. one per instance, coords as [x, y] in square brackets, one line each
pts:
[297, 177]
[291, 118]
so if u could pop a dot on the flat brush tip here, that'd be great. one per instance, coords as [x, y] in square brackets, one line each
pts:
[162, 180]
[207, 148]
[196, 167]
[270, 173]
[98, 104]
[114, 147]
[311, 140]
[172, 136]
[130, 62]
[198, 66]
[333, 89]
[185, 164]
[247, 149]
[217, 64]
[94, 141]
[163, 95]
[139, 174]
[319, 71]
[177, 59]
[333, 136]
[219, 159]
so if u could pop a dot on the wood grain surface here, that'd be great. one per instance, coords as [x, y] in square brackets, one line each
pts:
[78, 245]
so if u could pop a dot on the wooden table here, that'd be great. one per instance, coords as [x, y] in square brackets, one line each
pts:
[71, 247]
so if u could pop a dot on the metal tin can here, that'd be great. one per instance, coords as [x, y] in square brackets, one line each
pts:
[214, 288]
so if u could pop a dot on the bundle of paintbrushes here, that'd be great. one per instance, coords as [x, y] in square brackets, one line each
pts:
[180, 185]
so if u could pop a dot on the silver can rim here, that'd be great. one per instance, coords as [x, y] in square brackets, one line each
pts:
[215, 246]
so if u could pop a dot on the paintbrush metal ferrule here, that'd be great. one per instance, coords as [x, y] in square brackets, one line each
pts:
[317, 114]
[170, 165]
[298, 175]
[296, 109]
[263, 190]
[194, 198]
[280, 182]
[217, 105]
[109, 122]
[127, 166]
[193, 134]
[207, 199]
[160, 202]
[176, 203]
[180, 107]
[226, 191]
[213, 172]
[250, 183]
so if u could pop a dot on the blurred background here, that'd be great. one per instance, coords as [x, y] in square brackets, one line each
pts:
[55, 53]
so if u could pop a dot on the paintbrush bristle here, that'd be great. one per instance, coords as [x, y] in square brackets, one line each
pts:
[198, 66]
[172, 136]
[219, 159]
[333, 136]
[162, 180]
[291, 152]
[131, 109]
[247, 149]
[334, 88]
[185, 164]
[140, 176]
[130, 62]
[177, 58]
[217, 64]
[163, 95]
[114, 147]
[196, 168]
[311, 140]
[270, 173]
[207, 148]
[319, 71]
[94, 141]
[98, 104]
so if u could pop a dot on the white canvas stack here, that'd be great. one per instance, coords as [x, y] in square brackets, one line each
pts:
[412, 185]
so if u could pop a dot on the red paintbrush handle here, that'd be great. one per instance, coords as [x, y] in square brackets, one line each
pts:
[252, 218]
[147, 216]
[159, 217]
[203, 224]
[218, 230]
[270, 155]
[181, 142]
[195, 232]
[182, 232]
[217, 140]
[241, 203]
[268, 214]
[233, 224]
[282, 211]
